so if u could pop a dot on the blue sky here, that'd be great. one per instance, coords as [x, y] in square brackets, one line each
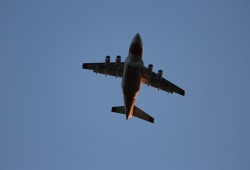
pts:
[54, 115]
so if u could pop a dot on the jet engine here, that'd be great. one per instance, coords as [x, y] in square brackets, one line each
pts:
[117, 63]
[159, 75]
[107, 60]
[118, 60]
[150, 68]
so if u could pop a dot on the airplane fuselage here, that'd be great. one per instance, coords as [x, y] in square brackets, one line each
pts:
[131, 83]
[131, 80]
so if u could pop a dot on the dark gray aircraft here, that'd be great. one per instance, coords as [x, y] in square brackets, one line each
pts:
[133, 73]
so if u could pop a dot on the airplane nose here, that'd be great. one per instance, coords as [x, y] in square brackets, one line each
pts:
[137, 39]
[136, 45]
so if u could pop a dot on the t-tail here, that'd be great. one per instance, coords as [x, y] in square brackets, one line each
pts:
[136, 112]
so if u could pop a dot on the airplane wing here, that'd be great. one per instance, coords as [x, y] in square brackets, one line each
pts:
[112, 68]
[152, 79]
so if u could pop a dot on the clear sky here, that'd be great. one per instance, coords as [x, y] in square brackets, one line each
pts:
[54, 115]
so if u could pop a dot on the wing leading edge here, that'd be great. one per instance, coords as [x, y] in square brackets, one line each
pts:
[152, 79]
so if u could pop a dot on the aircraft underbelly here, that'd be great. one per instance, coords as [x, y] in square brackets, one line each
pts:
[131, 85]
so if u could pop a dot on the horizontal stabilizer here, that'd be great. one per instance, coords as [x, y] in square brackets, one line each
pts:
[137, 113]
[118, 109]
[142, 115]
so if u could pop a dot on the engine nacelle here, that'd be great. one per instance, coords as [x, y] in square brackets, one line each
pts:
[159, 75]
[118, 60]
[107, 60]
[150, 68]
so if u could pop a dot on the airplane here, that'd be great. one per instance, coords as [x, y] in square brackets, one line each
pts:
[133, 73]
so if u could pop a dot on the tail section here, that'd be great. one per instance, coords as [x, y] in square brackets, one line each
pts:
[136, 112]
[118, 109]
[142, 115]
